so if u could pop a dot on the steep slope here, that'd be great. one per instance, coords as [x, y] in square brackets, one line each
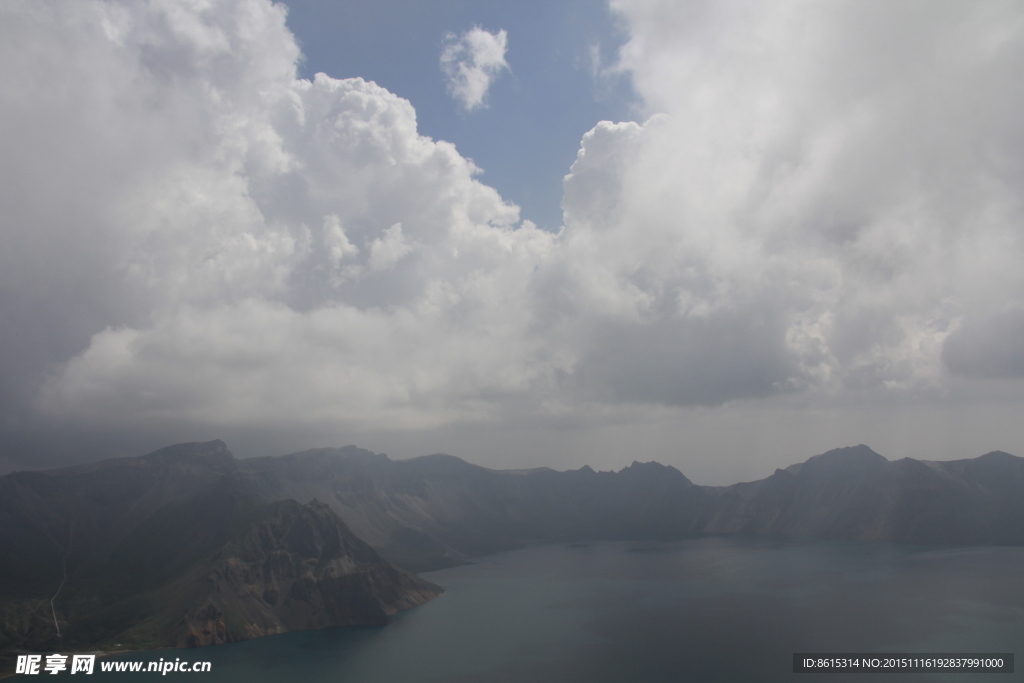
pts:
[431, 511]
[855, 493]
[294, 567]
[91, 507]
[438, 510]
[195, 559]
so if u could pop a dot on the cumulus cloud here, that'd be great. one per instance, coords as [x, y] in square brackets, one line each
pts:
[830, 189]
[823, 201]
[471, 62]
[208, 230]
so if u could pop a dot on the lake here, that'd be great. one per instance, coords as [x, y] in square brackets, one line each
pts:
[705, 609]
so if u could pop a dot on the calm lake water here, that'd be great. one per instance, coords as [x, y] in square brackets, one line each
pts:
[708, 609]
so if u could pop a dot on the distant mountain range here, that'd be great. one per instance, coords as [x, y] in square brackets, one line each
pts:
[190, 546]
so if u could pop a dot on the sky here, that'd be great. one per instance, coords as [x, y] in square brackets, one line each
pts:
[722, 235]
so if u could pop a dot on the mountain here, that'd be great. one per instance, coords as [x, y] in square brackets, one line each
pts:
[856, 494]
[189, 546]
[438, 510]
[171, 550]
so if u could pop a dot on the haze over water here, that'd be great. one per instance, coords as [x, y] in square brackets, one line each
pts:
[708, 609]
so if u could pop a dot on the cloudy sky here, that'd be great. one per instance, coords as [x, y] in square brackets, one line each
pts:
[723, 235]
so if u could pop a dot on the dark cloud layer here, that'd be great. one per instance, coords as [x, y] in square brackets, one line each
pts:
[990, 347]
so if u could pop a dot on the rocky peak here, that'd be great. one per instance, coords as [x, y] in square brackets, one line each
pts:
[645, 471]
[1000, 457]
[208, 453]
[847, 461]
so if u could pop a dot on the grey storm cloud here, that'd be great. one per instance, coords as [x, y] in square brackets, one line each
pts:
[989, 347]
[820, 200]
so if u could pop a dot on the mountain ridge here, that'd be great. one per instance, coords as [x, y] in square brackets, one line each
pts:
[113, 521]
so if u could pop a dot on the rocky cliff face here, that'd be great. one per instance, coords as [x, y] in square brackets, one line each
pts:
[297, 567]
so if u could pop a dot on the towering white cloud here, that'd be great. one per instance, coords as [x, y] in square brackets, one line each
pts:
[471, 62]
[237, 245]
[827, 194]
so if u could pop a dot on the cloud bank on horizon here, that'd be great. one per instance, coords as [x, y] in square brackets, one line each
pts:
[823, 205]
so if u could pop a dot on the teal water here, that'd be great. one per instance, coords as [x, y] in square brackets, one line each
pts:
[707, 609]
